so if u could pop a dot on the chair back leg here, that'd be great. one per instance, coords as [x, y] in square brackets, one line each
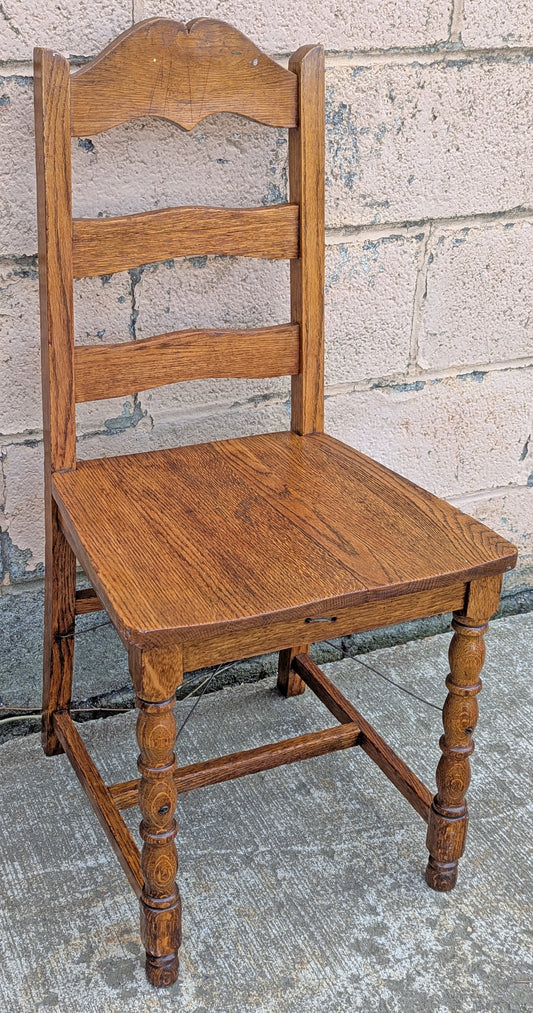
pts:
[289, 682]
[59, 615]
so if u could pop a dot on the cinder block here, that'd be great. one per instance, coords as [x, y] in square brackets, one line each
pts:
[20, 364]
[411, 142]
[150, 163]
[217, 292]
[138, 166]
[402, 144]
[21, 523]
[479, 299]
[103, 309]
[77, 28]
[370, 285]
[497, 23]
[17, 167]
[286, 24]
[212, 292]
[176, 429]
[102, 312]
[369, 294]
[454, 437]
[511, 514]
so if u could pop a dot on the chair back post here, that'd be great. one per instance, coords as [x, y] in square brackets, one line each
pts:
[54, 210]
[52, 131]
[306, 179]
[294, 98]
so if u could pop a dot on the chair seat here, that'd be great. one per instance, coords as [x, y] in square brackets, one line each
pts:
[203, 539]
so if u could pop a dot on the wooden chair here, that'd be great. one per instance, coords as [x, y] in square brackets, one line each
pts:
[209, 553]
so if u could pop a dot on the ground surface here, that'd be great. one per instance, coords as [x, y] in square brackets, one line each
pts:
[302, 887]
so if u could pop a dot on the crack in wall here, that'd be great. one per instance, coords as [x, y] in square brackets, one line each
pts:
[8, 20]
[135, 275]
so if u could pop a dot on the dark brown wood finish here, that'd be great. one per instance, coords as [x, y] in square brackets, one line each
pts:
[107, 245]
[114, 370]
[87, 601]
[181, 73]
[220, 551]
[289, 682]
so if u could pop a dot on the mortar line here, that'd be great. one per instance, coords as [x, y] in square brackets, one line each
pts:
[394, 380]
[441, 52]
[419, 296]
[456, 21]
[137, 11]
[480, 495]
[341, 233]
[383, 230]
[16, 68]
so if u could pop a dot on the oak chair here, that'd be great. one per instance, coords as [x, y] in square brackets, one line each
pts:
[214, 552]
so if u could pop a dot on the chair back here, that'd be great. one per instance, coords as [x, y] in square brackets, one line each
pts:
[181, 73]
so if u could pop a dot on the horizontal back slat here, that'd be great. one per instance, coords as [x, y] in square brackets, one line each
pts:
[116, 370]
[182, 73]
[106, 245]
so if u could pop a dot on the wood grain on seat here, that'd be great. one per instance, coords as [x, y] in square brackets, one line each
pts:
[190, 542]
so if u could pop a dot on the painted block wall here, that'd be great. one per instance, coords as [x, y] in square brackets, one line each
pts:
[429, 305]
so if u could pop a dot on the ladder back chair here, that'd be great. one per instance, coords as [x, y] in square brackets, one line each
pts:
[213, 552]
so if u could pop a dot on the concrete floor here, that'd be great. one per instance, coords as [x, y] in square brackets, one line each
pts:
[302, 887]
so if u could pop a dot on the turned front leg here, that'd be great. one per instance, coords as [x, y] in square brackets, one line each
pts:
[448, 817]
[160, 899]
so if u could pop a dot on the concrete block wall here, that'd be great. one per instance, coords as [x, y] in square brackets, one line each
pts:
[429, 304]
